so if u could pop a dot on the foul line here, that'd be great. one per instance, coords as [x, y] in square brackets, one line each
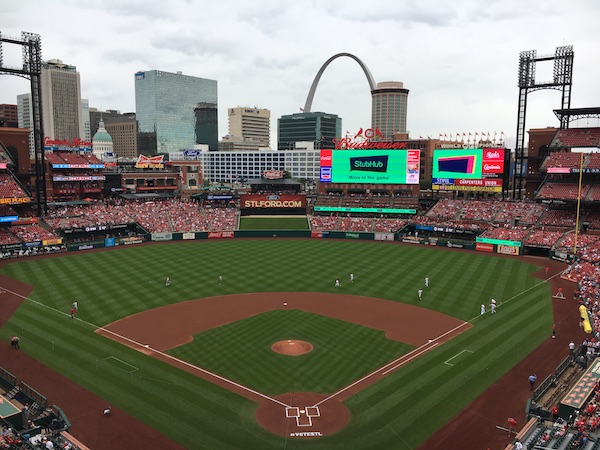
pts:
[396, 363]
[199, 369]
[185, 363]
[458, 354]
[423, 348]
[135, 369]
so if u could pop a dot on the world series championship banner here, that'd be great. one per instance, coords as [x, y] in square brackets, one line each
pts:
[272, 201]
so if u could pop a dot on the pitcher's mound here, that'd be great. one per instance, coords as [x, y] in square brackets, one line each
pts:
[292, 347]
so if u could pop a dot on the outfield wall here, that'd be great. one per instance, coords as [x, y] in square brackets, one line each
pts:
[458, 241]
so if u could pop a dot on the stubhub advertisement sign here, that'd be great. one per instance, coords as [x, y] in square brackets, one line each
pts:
[370, 166]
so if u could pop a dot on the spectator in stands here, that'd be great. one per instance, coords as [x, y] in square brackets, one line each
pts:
[555, 411]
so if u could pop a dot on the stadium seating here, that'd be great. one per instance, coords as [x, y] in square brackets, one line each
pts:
[593, 219]
[543, 238]
[564, 159]
[73, 158]
[528, 213]
[558, 218]
[54, 158]
[31, 233]
[507, 233]
[323, 223]
[594, 194]
[577, 137]
[480, 210]
[388, 225]
[593, 161]
[9, 188]
[562, 191]
[445, 209]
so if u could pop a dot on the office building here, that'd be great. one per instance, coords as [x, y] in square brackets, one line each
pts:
[25, 118]
[207, 125]
[121, 127]
[9, 116]
[167, 106]
[230, 166]
[123, 130]
[62, 113]
[388, 110]
[318, 127]
[251, 124]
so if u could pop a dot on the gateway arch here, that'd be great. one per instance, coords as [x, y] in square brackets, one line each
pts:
[313, 88]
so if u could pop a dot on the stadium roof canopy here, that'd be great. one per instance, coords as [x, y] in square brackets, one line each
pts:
[577, 113]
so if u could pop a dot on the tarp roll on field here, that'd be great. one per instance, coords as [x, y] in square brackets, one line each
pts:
[585, 319]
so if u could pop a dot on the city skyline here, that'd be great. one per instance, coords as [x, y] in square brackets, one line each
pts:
[459, 61]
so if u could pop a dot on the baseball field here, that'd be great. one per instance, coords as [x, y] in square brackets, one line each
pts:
[229, 338]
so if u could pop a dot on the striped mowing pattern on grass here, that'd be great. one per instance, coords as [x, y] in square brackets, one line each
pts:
[400, 411]
[329, 367]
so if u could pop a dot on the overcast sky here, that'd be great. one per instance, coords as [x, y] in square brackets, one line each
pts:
[459, 59]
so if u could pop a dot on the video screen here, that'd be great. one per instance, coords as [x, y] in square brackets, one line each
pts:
[473, 169]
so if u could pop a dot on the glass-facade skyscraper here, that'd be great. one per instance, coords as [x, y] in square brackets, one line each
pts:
[318, 127]
[166, 106]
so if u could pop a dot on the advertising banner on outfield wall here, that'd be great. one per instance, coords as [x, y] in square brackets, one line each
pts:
[188, 236]
[272, 201]
[509, 250]
[164, 236]
[220, 234]
[484, 247]
[384, 236]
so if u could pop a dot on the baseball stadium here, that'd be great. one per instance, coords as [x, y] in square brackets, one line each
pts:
[424, 295]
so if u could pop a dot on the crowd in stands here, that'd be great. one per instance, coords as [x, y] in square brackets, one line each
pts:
[383, 225]
[480, 210]
[9, 188]
[527, 213]
[32, 233]
[507, 232]
[543, 238]
[445, 209]
[559, 219]
[356, 224]
[563, 159]
[586, 246]
[154, 216]
[531, 223]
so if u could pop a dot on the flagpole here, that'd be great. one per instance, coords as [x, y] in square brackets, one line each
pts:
[578, 204]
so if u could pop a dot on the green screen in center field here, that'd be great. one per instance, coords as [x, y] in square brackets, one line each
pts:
[241, 351]
[273, 223]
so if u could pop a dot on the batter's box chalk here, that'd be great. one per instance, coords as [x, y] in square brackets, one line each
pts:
[292, 411]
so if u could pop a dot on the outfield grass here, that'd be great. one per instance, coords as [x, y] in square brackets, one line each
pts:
[400, 411]
[273, 223]
[327, 368]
